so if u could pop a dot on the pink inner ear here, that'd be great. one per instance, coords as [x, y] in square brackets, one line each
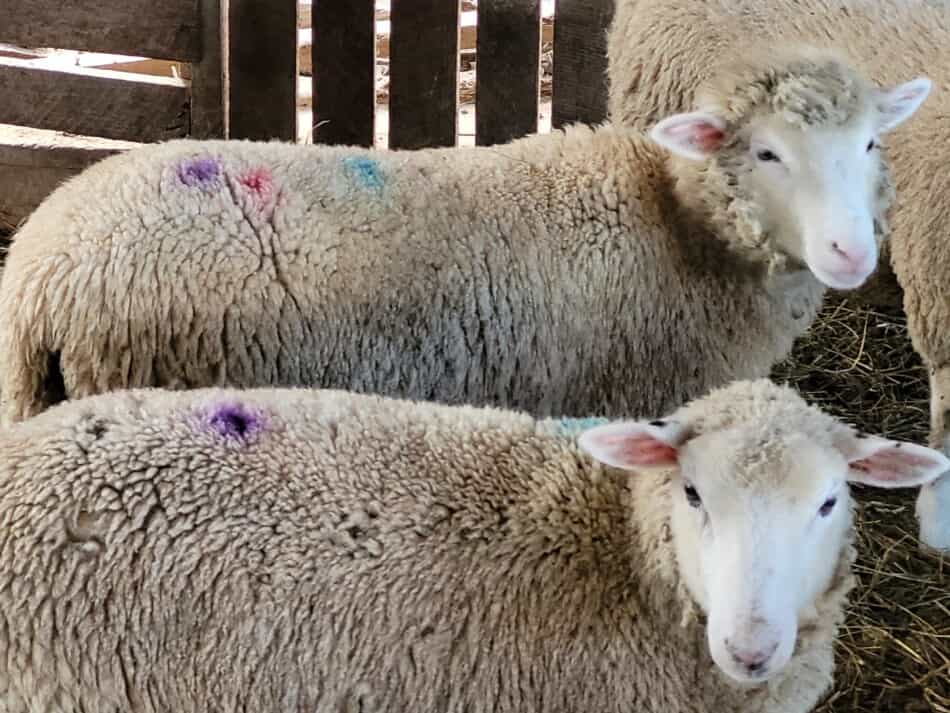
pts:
[646, 450]
[891, 466]
[705, 137]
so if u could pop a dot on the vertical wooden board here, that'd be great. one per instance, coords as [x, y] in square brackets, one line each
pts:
[344, 65]
[262, 69]
[423, 73]
[580, 61]
[208, 105]
[507, 70]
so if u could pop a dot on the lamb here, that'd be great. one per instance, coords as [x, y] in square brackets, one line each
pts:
[479, 276]
[889, 40]
[299, 550]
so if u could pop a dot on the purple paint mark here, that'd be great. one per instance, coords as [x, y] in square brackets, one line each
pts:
[199, 172]
[235, 421]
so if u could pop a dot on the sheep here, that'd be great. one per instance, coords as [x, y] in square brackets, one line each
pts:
[484, 276]
[889, 40]
[300, 550]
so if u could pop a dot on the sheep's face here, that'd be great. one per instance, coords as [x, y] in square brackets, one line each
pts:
[760, 514]
[810, 179]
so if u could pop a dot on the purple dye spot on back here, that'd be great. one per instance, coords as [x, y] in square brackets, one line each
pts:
[199, 172]
[235, 421]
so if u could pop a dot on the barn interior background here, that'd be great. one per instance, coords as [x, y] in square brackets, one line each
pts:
[83, 79]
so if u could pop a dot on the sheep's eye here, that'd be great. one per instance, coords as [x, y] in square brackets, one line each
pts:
[871, 145]
[827, 507]
[766, 155]
[692, 497]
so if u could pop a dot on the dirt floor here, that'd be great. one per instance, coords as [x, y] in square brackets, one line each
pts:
[894, 654]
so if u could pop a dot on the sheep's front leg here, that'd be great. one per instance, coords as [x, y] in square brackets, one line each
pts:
[933, 503]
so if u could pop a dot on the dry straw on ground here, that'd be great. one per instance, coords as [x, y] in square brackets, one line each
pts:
[894, 654]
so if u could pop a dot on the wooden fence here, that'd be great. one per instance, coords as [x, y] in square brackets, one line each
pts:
[239, 76]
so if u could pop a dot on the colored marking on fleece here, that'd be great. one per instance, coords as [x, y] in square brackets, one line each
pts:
[365, 172]
[234, 421]
[200, 172]
[576, 426]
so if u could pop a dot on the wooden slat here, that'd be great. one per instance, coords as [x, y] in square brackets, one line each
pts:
[208, 102]
[507, 76]
[93, 102]
[34, 162]
[580, 61]
[344, 36]
[262, 72]
[162, 29]
[423, 73]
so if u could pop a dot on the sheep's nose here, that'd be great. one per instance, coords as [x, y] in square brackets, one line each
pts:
[854, 256]
[752, 660]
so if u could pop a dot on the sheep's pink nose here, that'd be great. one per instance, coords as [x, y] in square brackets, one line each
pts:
[752, 659]
[855, 257]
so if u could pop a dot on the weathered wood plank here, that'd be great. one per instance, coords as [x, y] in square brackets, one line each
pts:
[580, 61]
[94, 102]
[344, 65]
[208, 116]
[262, 98]
[34, 162]
[507, 79]
[169, 29]
[423, 73]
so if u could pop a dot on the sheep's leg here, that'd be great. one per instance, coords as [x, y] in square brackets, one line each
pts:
[933, 503]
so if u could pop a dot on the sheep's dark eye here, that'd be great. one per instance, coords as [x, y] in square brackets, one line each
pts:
[827, 507]
[871, 145]
[766, 155]
[692, 497]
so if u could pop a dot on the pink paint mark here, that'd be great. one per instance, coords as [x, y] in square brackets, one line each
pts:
[258, 181]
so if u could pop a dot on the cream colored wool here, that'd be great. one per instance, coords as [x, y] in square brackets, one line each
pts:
[569, 274]
[662, 50]
[295, 550]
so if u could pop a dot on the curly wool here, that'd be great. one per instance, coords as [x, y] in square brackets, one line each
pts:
[295, 550]
[566, 274]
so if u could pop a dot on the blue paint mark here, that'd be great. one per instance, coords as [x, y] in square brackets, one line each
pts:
[576, 426]
[235, 421]
[365, 171]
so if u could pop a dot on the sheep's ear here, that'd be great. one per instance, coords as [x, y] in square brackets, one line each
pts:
[897, 104]
[696, 135]
[891, 464]
[635, 445]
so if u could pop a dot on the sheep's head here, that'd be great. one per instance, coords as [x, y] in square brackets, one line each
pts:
[760, 510]
[790, 160]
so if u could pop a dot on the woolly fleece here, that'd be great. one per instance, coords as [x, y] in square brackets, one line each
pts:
[295, 550]
[578, 273]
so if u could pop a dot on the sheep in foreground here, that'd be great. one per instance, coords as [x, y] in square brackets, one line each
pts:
[296, 550]
[538, 275]
[891, 40]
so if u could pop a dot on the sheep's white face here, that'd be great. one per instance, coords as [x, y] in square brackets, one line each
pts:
[758, 523]
[815, 188]
[817, 192]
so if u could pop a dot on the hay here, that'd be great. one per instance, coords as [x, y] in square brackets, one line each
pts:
[894, 653]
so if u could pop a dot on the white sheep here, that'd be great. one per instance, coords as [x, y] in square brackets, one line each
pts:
[584, 272]
[297, 550]
[889, 40]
